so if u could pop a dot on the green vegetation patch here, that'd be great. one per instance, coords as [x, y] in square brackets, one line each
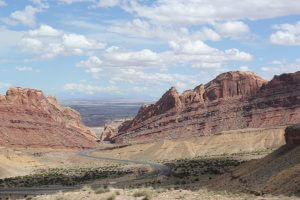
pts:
[65, 177]
[201, 166]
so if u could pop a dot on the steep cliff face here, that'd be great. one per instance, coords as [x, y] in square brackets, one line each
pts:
[29, 119]
[169, 101]
[233, 84]
[233, 100]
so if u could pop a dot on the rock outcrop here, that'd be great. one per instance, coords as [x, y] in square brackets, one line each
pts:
[29, 119]
[292, 135]
[107, 133]
[110, 130]
[233, 100]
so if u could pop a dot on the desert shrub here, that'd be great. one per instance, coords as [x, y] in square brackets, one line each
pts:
[143, 193]
[184, 168]
[101, 190]
[67, 177]
[161, 190]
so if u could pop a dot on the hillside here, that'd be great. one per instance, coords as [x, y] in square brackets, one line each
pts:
[233, 100]
[277, 174]
[29, 119]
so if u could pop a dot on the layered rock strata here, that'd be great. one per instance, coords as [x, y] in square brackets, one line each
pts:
[29, 119]
[233, 100]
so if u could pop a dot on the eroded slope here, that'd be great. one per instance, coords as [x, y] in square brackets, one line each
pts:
[29, 119]
[233, 100]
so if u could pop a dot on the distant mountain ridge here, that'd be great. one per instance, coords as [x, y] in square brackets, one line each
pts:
[233, 100]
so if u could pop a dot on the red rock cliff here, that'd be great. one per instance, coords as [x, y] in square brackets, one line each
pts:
[233, 100]
[29, 119]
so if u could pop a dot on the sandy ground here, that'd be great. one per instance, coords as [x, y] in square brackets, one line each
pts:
[19, 162]
[239, 141]
[156, 194]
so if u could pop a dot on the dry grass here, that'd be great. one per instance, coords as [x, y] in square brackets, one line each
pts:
[133, 194]
[146, 194]
[101, 190]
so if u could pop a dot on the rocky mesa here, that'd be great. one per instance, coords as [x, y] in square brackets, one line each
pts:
[233, 100]
[29, 119]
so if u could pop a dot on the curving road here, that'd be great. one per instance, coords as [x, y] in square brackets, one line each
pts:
[157, 170]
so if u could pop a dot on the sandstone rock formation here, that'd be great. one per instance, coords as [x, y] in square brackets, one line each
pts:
[29, 119]
[108, 132]
[292, 135]
[233, 100]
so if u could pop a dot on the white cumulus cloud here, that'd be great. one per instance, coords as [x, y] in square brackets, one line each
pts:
[143, 58]
[92, 65]
[26, 16]
[191, 47]
[48, 42]
[208, 11]
[44, 30]
[286, 34]
[76, 41]
[200, 55]
[232, 28]
[31, 44]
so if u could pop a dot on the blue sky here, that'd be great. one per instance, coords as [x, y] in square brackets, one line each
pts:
[138, 49]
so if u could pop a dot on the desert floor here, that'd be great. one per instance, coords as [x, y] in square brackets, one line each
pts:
[200, 168]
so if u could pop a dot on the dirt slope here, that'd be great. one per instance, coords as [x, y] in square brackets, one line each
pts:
[277, 173]
[239, 141]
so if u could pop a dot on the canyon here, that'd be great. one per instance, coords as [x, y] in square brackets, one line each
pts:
[233, 100]
[232, 134]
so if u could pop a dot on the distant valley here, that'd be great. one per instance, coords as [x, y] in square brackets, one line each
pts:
[98, 114]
